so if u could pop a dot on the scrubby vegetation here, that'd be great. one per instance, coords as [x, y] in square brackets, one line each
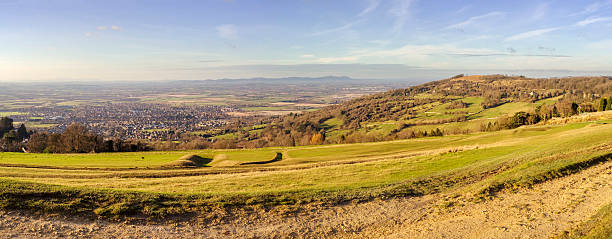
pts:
[436, 104]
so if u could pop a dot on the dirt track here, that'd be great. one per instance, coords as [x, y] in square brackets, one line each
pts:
[539, 212]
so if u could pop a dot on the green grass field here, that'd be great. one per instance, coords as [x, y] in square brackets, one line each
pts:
[477, 165]
[129, 160]
[7, 114]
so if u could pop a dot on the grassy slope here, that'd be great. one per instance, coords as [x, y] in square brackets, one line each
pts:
[598, 227]
[436, 111]
[484, 162]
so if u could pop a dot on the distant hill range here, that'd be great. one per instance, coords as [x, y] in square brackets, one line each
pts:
[332, 80]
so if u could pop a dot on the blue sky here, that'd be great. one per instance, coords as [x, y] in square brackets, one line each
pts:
[47, 40]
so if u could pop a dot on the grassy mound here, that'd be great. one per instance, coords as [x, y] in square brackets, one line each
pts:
[189, 161]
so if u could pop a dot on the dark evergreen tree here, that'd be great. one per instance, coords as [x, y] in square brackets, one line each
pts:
[6, 125]
[602, 104]
[574, 108]
[22, 133]
[555, 112]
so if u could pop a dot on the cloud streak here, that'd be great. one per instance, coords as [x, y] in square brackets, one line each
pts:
[401, 12]
[372, 5]
[473, 20]
[592, 20]
[594, 7]
[507, 54]
[543, 31]
[337, 29]
[427, 53]
[410, 52]
[540, 11]
[531, 34]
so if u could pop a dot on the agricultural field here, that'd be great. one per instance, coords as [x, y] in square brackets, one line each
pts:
[252, 95]
[212, 185]
[7, 114]
[149, 111]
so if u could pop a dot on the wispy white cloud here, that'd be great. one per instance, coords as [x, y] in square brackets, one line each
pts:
[430, 55]
[531, 34]
[592, 20]
[540, 11]
[115, 28]
[337, 29]
[307, 56]
[372, 5]
[543, 31]
[595, 7]
[431, 50]
[227, 31]
[411, 52]
[463, 9]
[473, 20]
[102, 28]
[401, 12]
[337, 59]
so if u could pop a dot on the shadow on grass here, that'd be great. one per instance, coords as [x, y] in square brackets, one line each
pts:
[278, 157]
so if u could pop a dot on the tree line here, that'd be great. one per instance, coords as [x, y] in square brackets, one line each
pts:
[75, 139]
[78, 139]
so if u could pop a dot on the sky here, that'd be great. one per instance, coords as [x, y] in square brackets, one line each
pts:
[137, 40]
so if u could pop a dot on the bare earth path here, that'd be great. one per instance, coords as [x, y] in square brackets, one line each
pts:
[544, 210]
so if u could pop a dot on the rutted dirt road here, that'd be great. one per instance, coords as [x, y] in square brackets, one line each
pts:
[539, 212]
